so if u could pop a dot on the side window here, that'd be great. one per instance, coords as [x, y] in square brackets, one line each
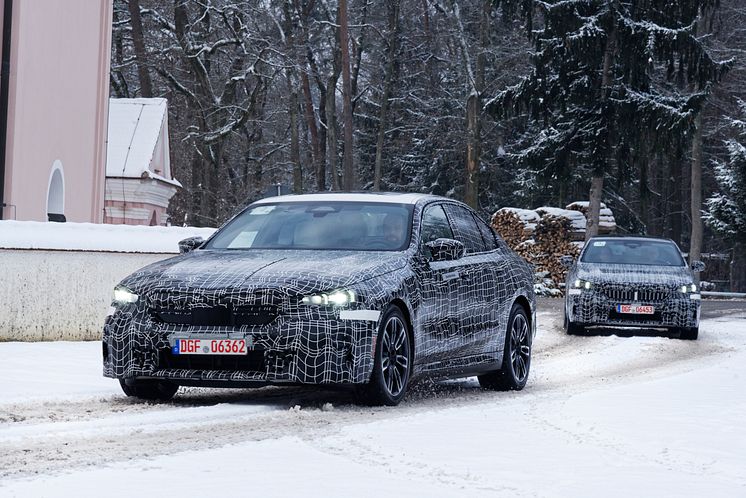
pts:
[488, 236]
[465, 228]
[435, 224]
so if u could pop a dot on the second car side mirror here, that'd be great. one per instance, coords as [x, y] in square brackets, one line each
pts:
[698, 266]
[190, 244]
[445, 249]
[567, 261]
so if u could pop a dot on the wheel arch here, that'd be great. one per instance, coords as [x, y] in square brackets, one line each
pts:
[526, 305]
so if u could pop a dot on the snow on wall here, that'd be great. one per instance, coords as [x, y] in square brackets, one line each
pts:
[95, 237]
[58, 278]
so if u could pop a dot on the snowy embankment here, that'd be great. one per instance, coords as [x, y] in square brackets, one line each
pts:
[601, 416]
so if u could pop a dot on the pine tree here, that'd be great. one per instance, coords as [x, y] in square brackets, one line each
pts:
[726, 210]
[602, 84]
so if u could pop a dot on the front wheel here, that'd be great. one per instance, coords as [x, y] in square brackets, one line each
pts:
[391, 364]
[572, 328]
[153, 390]
[689, 333]
[513, 374]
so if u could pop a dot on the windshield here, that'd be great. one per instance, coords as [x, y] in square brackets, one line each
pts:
[355, 226]
[633, 252]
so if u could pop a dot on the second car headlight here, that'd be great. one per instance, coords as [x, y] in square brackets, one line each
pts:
[123, 295]
[341, 297]
[582, 284]
[686, 289]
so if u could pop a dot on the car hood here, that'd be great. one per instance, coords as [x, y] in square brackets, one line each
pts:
[296, 272]
[633, 274]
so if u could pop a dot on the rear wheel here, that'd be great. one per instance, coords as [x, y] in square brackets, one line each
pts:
[391, 363]
[149, 389]
[689, 333]
[513, 373]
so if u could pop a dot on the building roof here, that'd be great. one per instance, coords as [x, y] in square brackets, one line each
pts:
[135, 126]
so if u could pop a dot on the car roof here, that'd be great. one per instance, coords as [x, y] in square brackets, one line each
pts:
[388, 197]
[632, 237]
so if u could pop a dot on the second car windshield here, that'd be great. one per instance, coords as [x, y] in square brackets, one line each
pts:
[633, 252]
[356, 226]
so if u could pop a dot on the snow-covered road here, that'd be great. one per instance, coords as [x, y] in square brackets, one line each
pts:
[601, 416]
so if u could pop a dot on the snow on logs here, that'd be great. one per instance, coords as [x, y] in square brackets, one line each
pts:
[543, 235]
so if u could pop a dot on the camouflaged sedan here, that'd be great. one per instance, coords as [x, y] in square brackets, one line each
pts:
[632, 282]
[365, 290]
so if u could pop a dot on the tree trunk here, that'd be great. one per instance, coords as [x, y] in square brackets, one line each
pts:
[738, 269]
[644, 195]
[331, 131]
[594, 207]
[695, 241]
[677, 202]
[387, 88]
[146, 85]
[471, 188]
[348, 179]
[597, 181]
[295, 144]
[313, 131]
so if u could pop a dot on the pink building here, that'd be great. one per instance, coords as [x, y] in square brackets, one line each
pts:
[139, 184]
[53, 108]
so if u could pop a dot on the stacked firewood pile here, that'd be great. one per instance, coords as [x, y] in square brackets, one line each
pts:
[542, 236]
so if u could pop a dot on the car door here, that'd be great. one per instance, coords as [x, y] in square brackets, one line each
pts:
[479, 286]
[437, 315]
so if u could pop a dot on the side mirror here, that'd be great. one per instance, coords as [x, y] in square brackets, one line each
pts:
[698, 266]
[567, 261]
[445, 249]
[190, 244]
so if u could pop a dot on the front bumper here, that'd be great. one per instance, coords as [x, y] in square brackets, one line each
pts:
[591, 308]
[318, 348]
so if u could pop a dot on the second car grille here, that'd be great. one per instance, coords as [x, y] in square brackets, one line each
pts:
[218, 316]
[640, 294]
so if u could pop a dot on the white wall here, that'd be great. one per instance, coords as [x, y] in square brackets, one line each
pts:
[60, 295]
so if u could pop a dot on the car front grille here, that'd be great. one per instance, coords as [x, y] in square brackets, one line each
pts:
[252, 361]
[636, 294]
[218, 316]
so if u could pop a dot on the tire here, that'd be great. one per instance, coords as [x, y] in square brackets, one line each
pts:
[572, 328]
[388, 383]
[152, 390]
[513, 374]
[689, 333]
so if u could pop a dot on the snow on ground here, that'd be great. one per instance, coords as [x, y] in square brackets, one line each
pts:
[637, 415]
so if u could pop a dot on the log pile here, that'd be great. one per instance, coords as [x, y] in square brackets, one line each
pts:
[606, 221]
[542, 236]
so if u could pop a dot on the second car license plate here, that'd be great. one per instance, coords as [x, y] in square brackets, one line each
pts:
[209, 346]
[635, 309]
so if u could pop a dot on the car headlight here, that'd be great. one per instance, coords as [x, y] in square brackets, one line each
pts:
[686, 289]
[582, 284]
[123, 295]
[341, 297]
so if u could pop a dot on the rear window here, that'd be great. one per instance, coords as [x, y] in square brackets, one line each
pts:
[633, 252]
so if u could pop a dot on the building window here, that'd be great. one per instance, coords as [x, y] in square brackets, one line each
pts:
[56, 193]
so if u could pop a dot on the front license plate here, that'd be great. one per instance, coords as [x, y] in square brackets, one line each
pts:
[209, 346]
[635, 309]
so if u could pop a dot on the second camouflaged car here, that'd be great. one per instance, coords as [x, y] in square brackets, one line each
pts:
[369, 290]
[632, 282]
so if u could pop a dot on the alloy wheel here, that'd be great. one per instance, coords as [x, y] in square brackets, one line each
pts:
[520, 347]
[395, 356]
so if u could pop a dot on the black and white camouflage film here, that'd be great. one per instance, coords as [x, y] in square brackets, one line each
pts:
[311, 314]
[632, 282]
